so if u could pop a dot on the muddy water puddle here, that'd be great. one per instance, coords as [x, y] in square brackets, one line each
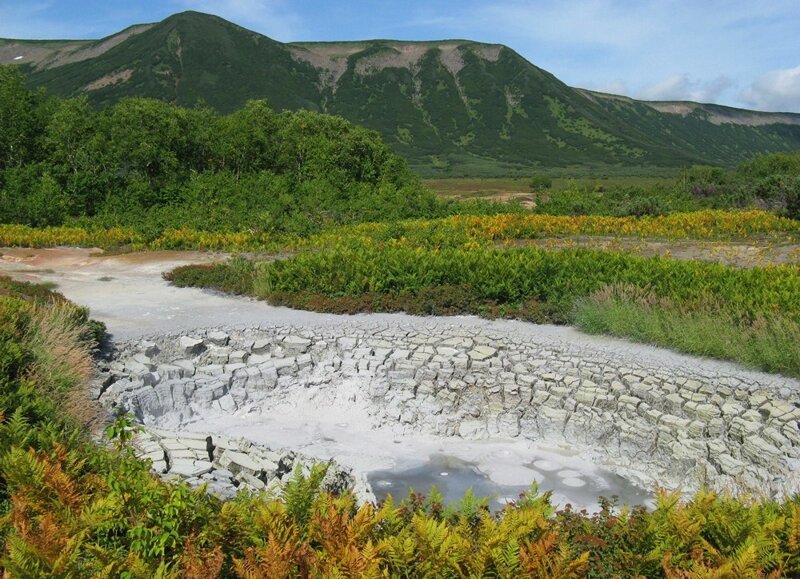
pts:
[394, 463]
[453, 477]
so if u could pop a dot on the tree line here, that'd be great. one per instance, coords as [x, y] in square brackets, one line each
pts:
[150, 164]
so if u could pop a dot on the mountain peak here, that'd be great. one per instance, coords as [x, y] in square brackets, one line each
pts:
[449, 106]
[195, 16]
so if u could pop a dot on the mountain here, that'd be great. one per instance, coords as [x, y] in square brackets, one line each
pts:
[452, 106]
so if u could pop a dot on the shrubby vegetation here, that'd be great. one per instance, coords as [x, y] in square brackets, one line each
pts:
[512, 276]
[767, 182]
[150, 165]
[458, 230]
[453, 231]
[71, 508]
[539, 183]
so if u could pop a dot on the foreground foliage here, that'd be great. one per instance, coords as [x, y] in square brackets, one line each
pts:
[70, 508]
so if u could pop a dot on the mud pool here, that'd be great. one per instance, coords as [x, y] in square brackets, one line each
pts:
[400, 399]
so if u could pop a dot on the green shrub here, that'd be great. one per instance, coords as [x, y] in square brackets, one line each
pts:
[151, 165]
[540, 183]
[763, 166]
[512, 276]
[235, 277]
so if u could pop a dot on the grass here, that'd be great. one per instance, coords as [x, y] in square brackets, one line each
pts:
[706, 328]
[60, 347]
[60, 341]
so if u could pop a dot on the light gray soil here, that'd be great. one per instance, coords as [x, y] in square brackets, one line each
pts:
[751, 412]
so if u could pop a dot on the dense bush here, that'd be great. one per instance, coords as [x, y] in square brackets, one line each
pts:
[71, 508]
[617, 201]
[151, 165]
[763, 166]
[766, 181]
[540, 183]
[235, 278]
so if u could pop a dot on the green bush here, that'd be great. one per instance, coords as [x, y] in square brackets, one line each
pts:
[763, 166]
[151, 165]
[619, 202]
[234, 278]
[540, 183]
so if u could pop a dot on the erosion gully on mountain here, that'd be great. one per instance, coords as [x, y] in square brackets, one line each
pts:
[234, 393]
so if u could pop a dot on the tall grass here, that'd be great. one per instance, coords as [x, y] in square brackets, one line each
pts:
[61, 345]
[701, 327]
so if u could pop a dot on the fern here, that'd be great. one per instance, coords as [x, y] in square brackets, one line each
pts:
[300, 492]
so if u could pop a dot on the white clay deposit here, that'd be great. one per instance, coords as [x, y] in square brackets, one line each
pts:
[401, 401]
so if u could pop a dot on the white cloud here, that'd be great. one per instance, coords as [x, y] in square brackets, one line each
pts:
[712, 91]
[674, 88]
[682, 87]
[271, 17]
[659, 49]
[778, 90]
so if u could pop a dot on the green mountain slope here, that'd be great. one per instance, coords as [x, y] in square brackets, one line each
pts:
[452, 106]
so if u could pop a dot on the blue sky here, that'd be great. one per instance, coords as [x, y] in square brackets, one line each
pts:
[740, 53]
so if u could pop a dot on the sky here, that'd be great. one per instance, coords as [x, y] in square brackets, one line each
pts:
[737, 53]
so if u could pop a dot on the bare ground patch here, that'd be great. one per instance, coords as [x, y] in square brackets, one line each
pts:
[110, 79]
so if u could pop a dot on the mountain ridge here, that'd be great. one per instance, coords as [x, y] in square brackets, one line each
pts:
[450, 106]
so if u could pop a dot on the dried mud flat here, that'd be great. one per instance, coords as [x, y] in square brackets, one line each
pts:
[585, 378]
